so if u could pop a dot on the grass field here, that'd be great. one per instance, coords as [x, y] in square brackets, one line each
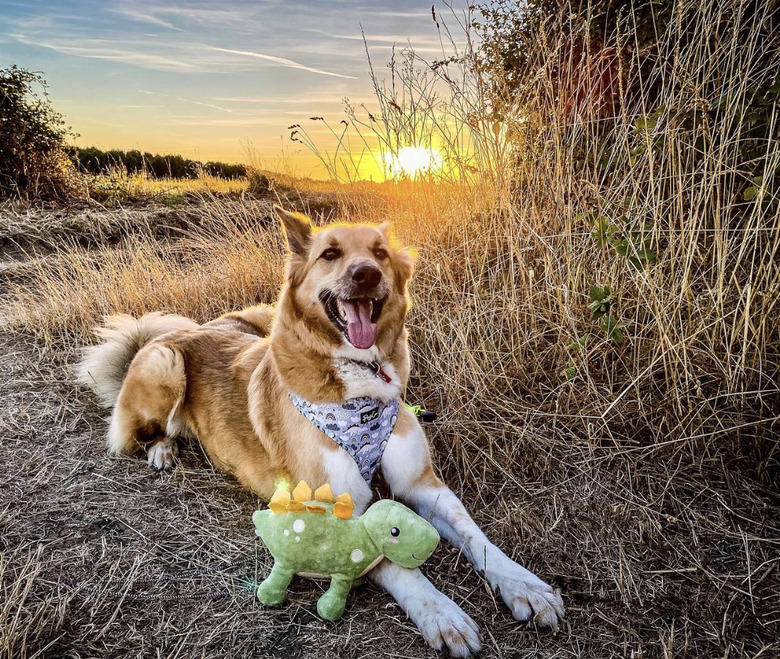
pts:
[640, 502]
[596, 319]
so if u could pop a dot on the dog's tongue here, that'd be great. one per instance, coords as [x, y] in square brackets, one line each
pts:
[361, 331]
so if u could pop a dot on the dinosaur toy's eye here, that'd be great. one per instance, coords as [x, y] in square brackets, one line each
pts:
[395, 532]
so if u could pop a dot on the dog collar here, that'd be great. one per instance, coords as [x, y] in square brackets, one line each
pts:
[374, 367]
[361, 426]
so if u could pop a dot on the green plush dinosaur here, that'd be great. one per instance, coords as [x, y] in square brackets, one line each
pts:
[315, 536]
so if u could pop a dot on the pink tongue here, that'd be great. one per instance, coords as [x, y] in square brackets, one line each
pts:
[361, 331]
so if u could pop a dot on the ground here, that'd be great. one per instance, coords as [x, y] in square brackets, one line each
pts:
[655, 559]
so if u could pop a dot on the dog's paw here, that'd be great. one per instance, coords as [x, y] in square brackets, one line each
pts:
[527, 596]
[444, 625]
[162, 453]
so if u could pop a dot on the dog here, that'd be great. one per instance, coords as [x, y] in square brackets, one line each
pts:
[258, 387]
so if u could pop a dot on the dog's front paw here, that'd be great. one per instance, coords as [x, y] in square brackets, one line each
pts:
[527, 596]
[162, 454]
[444, 625]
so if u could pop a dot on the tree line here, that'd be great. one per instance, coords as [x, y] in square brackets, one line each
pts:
[97, 161]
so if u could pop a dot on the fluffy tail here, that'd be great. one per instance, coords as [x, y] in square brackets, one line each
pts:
[103, 367]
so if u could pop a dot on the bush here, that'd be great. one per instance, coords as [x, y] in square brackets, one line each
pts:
[33, 162]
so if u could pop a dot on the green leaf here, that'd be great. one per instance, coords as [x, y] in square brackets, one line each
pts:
[612, 328]
[750, 193]
[570, 372]
[579, 344]
[599, 294]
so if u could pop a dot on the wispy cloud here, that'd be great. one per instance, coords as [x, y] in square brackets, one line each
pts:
[164, 15]
[184, 100]
[281, 61]
[144, 17]
[109, 50]
[324, 97]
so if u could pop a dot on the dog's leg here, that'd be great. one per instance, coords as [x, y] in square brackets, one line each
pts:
[442, 623]
[407, 469]
[145, 412]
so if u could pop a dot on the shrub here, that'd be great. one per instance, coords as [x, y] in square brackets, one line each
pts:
[33, 162]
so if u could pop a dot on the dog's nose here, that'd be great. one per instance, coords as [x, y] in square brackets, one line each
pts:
[366, 276]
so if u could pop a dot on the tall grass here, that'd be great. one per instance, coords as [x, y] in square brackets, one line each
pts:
[653, 188]
[635, 433]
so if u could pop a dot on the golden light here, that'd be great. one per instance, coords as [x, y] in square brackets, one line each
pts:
[413, 161]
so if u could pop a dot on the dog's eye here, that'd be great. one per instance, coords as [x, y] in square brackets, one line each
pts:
[395, 532]
[380, 253]
[331, 254]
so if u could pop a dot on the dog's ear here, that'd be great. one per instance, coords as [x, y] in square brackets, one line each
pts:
[404, 258]
[297, 231]
[403, 262]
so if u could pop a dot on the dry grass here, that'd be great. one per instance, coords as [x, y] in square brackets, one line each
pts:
[642, 477]
[118, 187]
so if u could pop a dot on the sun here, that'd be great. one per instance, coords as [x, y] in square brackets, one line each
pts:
[414, 161]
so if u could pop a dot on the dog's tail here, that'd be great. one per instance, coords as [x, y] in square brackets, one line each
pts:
[103, 367]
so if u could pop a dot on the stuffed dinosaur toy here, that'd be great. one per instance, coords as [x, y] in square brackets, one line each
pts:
[316, 535]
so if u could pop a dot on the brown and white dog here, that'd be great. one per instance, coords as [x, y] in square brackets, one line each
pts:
[337, 333]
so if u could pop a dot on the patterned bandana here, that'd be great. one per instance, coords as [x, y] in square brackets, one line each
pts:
[361, 426]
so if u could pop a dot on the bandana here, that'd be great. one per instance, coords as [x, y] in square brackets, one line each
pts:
[361, 426]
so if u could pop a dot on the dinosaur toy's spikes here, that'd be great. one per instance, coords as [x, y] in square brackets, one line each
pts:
[302, 500]
[343, 507]
[324, 494]
[302, 492]
[279, 501]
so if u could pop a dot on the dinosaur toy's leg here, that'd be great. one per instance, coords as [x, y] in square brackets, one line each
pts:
[331, 605]
[274, 589]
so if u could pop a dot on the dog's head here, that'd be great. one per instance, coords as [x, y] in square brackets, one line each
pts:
[348, 281]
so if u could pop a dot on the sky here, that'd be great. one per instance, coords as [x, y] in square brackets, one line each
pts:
[213, 79]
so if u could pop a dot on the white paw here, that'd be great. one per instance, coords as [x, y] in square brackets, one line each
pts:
[162, 453]
[526, 595]
[444, 624]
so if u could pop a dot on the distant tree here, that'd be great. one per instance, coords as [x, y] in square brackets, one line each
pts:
[96, 161]
[33, 138]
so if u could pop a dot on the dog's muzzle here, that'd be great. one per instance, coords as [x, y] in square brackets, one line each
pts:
[355, 317]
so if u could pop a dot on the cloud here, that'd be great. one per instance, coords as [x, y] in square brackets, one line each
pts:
[109, 50]
[184, 100]
[144, 17]
[281, 61]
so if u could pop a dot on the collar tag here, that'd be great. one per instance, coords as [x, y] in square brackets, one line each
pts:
[375, 368]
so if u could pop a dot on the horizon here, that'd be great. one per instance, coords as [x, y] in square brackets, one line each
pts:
[157, 78]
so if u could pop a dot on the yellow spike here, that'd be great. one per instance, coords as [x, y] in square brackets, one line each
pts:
[279, 501]
[342, 510]
[324, 494]
[344, 507]
[302, 492]
[296, 507]
[345, 498]
[313, 508]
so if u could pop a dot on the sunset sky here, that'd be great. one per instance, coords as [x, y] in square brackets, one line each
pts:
[204, 79]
